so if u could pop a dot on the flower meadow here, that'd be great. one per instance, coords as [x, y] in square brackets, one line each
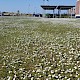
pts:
[39, 50]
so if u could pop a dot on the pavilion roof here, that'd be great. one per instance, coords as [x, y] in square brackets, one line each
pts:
[61, 7]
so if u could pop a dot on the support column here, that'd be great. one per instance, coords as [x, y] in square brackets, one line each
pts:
[53, 13]
[43, 13]
[58, 13]
[71, 12]
[68, 12]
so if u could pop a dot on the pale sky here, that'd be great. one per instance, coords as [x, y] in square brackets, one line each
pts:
[30, 6]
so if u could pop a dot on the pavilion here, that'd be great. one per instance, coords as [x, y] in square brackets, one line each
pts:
[59, 8]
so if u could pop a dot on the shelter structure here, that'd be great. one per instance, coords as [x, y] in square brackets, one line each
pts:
[59, 8]
[47, 7]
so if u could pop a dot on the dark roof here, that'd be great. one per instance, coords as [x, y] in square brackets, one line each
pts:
[62, 7]
[47, 7]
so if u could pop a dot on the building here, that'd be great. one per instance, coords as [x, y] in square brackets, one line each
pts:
[9, 14]
[77, 9]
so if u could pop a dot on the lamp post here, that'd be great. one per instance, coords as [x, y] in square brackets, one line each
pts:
[44, 1]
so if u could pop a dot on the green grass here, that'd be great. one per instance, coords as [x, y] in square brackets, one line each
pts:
[31, 49]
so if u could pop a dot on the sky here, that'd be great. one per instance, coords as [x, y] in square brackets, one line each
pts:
[30, 6]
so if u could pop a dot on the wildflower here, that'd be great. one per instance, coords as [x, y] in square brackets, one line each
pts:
[29, 75]
[9, 78]
[52, 71]
[68, 79]
[32, 78]
[75, 67]
[47, 79]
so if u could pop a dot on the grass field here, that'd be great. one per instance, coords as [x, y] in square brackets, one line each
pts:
[36, 49]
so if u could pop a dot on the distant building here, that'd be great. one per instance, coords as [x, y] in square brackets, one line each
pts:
[0, 13]
[5, 14]
[78, 9]
[9, 14]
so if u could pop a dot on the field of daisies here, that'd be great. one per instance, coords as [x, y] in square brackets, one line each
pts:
[39, 49]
